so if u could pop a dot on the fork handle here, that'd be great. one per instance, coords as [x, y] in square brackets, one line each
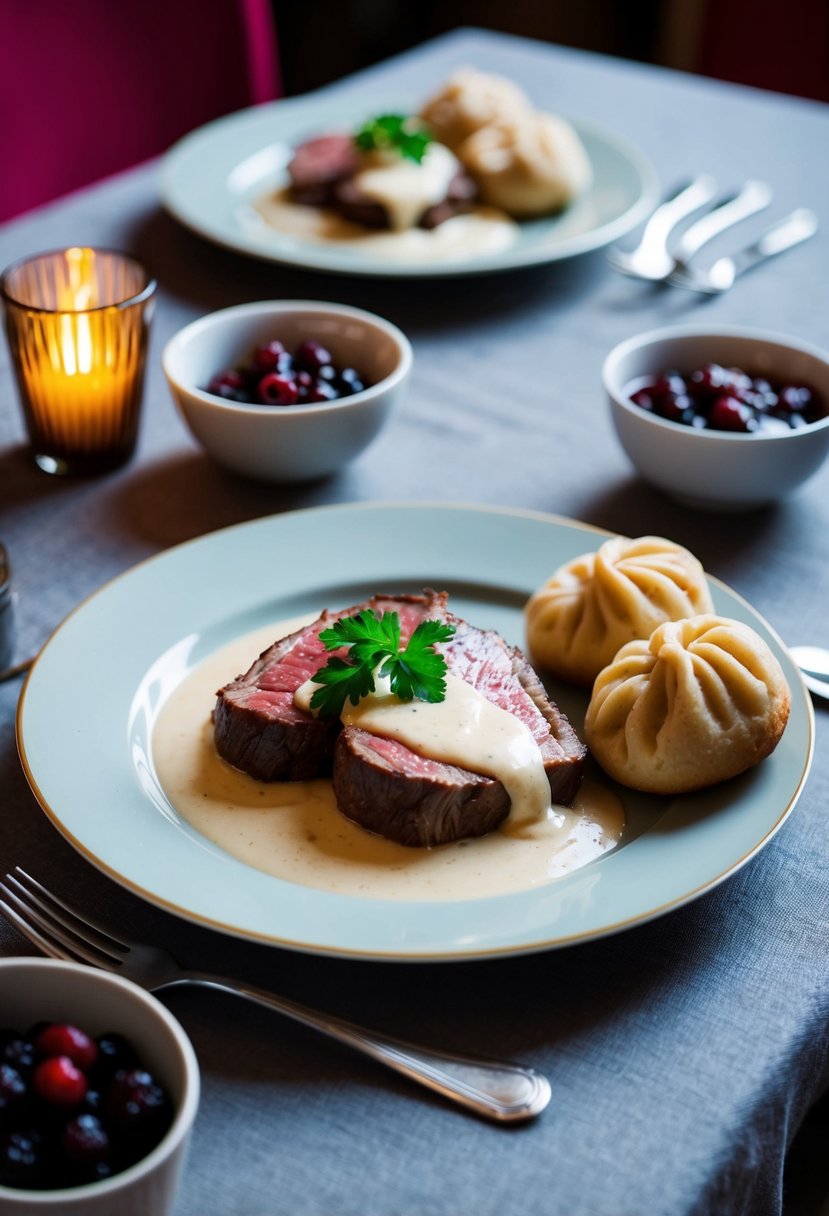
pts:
[502, 1092]
[754, 196]
[796, 227]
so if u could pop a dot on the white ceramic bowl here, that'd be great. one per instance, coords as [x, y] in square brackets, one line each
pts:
[717, 470]
[39, 989]
[297, 442]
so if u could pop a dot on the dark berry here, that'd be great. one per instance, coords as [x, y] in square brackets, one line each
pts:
[85, 1139]
[350, 382]
[321, 390]
[230, 386]
[22, 1159]
[726, 399]
[312, 355]
[60, 1082]
[707, 379]
[62, 1039]
[21, 1054]
[298, 376]
[12, 1089]
[136, 1097]
[275, 389]
[114, 1052]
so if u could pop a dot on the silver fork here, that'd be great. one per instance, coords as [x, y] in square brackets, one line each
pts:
[499, 1091]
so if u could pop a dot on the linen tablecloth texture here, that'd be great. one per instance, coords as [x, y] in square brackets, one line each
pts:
[682, 1054]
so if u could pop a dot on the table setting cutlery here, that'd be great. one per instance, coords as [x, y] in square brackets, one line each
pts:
[813, 662]
[503, 1092]
[798, 226]
[656, 259]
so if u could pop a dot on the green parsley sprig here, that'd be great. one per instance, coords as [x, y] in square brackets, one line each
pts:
[394, 131]
[418, 672]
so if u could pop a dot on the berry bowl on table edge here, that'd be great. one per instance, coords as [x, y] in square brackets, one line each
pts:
[97, 1081]
[720, 419]
[287, 390]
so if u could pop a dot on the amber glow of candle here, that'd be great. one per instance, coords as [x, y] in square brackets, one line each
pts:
[77, 324]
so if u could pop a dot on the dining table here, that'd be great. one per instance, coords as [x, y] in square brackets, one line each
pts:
[684, 1050]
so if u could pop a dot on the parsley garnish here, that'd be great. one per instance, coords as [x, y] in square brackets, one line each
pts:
[419, 672]
[394, 131]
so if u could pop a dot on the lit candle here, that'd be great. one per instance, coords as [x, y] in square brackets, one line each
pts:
[77, 323]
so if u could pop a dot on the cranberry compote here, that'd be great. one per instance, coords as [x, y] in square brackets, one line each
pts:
[276, 376]
[74, 1109]
[719, 398]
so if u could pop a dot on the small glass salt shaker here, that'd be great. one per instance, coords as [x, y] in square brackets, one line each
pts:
[6, 611]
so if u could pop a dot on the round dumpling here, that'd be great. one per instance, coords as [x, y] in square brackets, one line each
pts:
[698, 702]
[470, 100]
[594, 604]
[531, 165]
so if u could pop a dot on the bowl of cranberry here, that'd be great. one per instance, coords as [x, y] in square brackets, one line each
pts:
[287, 390]
[722, 420]
[99, 1087]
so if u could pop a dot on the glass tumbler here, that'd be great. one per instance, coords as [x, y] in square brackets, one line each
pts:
[77, 322]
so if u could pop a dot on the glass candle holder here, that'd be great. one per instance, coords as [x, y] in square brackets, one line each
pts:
[77, 322]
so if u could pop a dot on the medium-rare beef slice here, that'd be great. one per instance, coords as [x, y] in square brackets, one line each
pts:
[318, 164]
[349, 200]
[323, 171]
[256, 726]
[389, 789]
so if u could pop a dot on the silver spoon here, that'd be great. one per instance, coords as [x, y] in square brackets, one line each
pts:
[813, 662]
[796, 227]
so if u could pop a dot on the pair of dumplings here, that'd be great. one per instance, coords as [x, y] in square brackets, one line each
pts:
[681, 698]
[524, 162]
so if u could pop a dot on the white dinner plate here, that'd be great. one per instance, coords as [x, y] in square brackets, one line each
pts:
[87, 712]
[212, 177]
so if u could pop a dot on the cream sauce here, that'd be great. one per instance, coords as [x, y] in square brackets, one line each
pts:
[404, 187]
[464, 729]
[482, 230]
[295, 832]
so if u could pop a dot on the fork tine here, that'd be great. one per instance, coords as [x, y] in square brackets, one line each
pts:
[49, 946]
[86, 927]
[52, 928]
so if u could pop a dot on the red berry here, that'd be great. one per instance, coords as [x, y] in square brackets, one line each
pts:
[274, 389]
[62, 1039]
[267, 357]
[729, 414]
[60, 1082]
[312, 355]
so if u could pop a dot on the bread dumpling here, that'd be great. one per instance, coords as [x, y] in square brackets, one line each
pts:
[698, 702]
[594, 604]
[528, 166]
[470, 100]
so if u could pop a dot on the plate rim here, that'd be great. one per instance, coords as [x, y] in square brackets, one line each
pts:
[430, 955]
[306, 258]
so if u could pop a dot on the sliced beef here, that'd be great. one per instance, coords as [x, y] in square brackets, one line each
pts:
[258, 729]
[322, 173]
[318, 164]
[350, 202]
[387, 788]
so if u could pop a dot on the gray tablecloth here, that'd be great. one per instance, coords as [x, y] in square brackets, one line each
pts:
[684, 1053]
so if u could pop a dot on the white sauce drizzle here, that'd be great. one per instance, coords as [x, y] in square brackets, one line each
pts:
[404, 187]
[465, 729]
[481, 230]
[295, 832]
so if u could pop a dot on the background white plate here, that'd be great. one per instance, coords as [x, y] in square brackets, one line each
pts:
[211, 177]
[87, 712]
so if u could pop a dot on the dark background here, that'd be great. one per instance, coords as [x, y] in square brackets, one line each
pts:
[775, 44]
